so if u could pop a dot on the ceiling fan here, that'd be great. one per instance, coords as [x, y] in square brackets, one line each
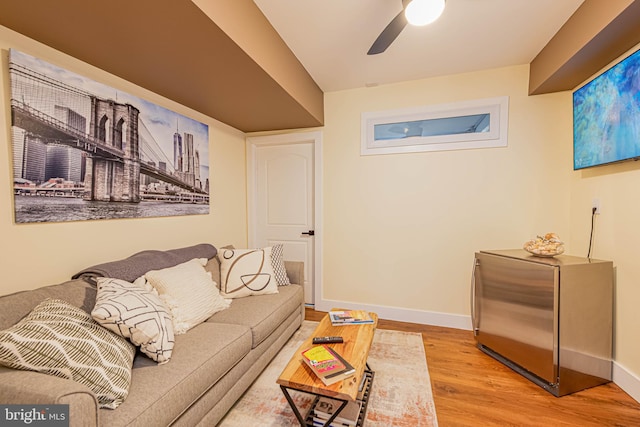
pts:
[414, 12]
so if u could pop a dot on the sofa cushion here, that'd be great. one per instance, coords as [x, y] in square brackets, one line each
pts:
[135, 313]
[59, 339]
[213, 267]
[160, 393]
[245, 272]
[17, 305]
[189, 292]
[262, 313]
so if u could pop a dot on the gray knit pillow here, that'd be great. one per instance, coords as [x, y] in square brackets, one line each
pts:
[277, 262]
[62, 340]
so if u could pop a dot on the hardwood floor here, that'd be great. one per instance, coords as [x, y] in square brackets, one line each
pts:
[472, 389]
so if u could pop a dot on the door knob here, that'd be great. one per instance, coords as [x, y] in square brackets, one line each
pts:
[309, 233]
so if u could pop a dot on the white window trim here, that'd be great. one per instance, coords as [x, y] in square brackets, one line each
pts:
[497, 108]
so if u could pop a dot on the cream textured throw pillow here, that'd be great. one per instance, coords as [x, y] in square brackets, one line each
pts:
[246, 272]
[62, 340]
[189, 292]
[137, 314]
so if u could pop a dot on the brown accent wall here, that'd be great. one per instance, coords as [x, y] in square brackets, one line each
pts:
[172, 48]
[597, 33]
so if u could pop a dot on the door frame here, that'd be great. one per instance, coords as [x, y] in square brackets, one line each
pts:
[314, 137]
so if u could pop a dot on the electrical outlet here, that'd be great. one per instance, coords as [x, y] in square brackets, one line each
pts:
[595, 204]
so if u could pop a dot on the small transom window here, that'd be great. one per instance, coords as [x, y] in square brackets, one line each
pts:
[463, 125]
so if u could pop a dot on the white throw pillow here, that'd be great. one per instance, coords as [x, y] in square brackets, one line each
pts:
[137, 314]
[246, 272]
[189, 292]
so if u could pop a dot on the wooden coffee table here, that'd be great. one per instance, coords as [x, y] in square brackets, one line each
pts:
[355, 350]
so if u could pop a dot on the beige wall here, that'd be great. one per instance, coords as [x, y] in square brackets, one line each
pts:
[32, 255]
[400, 230]
[616, 238]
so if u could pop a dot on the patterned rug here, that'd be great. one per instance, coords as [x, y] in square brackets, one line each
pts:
[400, 396]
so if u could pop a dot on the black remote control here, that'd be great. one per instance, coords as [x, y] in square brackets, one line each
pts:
[327, 340]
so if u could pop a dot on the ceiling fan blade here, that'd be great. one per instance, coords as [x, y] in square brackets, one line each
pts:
[389, 34]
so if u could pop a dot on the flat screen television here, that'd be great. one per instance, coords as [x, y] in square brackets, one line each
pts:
[606, 116]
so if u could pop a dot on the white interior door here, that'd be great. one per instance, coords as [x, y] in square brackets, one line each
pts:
[283, 199]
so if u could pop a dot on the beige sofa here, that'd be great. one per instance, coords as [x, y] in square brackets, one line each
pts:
[211, 366]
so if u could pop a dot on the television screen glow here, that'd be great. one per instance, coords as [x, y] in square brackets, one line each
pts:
[606, 116]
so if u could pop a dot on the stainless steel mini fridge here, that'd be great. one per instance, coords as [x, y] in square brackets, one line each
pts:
[550, 319]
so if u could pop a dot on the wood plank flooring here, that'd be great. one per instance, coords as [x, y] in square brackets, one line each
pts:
[472, 389]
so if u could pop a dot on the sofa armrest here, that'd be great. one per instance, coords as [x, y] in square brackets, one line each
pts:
[295, 271]
[34, 388]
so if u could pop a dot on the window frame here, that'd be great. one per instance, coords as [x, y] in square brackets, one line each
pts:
[497, 108]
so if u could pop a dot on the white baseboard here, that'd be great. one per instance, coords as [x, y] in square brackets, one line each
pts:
[446, 320]
[627, 381]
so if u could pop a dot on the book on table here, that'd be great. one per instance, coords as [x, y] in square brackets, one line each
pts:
[362, 388]
[325, 408]
[350, 317]
[327, 364]
[320, 422]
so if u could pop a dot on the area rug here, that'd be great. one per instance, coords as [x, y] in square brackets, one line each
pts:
[400, 396]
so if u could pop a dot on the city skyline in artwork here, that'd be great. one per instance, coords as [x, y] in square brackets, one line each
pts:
[79, 144]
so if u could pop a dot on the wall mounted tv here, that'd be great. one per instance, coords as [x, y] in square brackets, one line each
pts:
[606, 116]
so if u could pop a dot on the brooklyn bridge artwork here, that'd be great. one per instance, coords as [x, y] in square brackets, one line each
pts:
[86, 151]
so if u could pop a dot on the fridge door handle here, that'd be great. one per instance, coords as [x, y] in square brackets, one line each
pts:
[474, 317]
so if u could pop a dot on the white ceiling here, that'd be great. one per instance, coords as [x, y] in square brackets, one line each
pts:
[331, 37]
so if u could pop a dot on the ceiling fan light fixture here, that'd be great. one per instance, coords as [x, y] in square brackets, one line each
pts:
[423, 12]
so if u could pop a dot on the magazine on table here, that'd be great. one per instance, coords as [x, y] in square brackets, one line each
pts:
[350, 317]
